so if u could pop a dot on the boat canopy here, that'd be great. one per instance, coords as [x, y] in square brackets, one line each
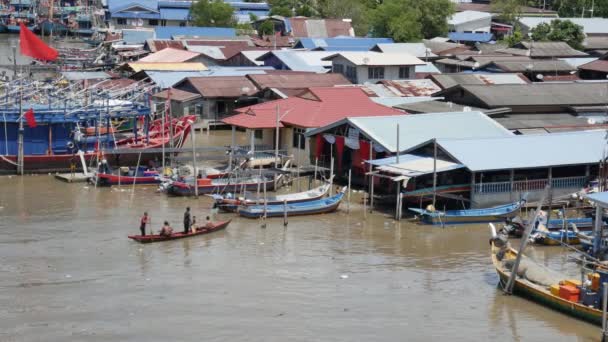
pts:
[411, 165]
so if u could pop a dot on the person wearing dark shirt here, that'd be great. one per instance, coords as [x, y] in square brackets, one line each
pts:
[187, 220]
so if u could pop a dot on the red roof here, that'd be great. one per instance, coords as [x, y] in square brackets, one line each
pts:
[598, 65]
[317, 107]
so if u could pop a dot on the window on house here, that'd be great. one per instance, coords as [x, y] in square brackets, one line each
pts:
[153, 22]
[298, 138]
[121, 21]
[163, 22]
[351, 73]
[375, 73]
[182, 24]
[404, 72]
[339, 68]
[258, 134]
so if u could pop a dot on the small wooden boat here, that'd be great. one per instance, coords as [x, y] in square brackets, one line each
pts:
[231, 204]
[218, 185]
[131, 177]
[540, 293]
[467, 216]
[555, 237]
[215, 226]
[320, 206]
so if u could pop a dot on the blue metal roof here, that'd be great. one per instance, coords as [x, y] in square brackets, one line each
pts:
[527, 151]
[470, 37]
[166, 79]
[137, 36]
[415, 130]
[248, 5]
[174, 4]
[182, 14]
[601, 198]
[168, 32]
[135, 15]
[343, 44]
[117, 5]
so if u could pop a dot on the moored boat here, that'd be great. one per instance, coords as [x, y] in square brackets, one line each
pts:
[467, 216]
[214, 227]
[231, 204]
[320, 206]
[219, 185]
[546, 292]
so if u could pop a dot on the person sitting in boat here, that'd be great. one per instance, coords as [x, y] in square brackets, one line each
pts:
[166, 230]
[193, 227]
[208, 223]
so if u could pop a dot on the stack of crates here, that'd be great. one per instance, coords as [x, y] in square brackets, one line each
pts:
[569, 293]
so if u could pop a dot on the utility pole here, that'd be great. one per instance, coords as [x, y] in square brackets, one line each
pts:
[20, 156]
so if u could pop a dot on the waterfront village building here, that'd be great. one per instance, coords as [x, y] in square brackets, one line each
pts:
[316, 107]
[370, 66]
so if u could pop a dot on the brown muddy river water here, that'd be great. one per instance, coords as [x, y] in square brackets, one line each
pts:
[68, 273]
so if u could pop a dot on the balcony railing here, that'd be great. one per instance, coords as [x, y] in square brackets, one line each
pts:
[531, 185]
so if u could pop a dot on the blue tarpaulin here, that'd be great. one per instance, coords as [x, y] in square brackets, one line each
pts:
[470, 37]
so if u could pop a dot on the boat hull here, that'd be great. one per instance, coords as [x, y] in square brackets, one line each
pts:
[3, 28]
[48, 27]
[176, 236]
[184, 190]
[322, 206]
[523, 289]
[17, 29]
[468, 216]
[105, 179]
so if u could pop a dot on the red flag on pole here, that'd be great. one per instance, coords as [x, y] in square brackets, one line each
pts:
[34, 47]
[30, 118]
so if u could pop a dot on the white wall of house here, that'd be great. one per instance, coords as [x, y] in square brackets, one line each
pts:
[479, 25]
[300, 156]
[391, 72]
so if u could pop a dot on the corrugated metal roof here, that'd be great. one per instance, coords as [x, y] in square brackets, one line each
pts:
[170, 55]
[421, 87]
[299, 81]
[537, 94]
[155, 45]
[427, 68]
[599, 65]
[138, 66]
[304, 60]
[167, 32]
[527, 151]
[434, 107]
[534, 66]
[85, 75]
[395, 102]
[417, 129]
[543, 49]
[415, 49]
[590, 25]
[470, 37]
[377, 58]
[601, 198]
[413, 166]
[218, 86]
[214, 52]
[138, 36]
[576, 62]
[449, 80]
[116, 5]
[167, 79]
[343, 43]
[177, 95]
[595, 43]
[539, 120]
[317, 107]
[182, 14]
[463, 17]
[253, 55]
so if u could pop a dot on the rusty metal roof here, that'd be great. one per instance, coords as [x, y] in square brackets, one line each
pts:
[406, 88]
[177, 95]
[221, 86]
[297, 80]
[155, 45]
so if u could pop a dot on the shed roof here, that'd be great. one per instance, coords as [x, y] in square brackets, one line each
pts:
[180, 14]
[539, 120]
[314, 108]
[377, 58]
[138, 66]
[417, 129]
[253, 55]
[343, 43]
[415, 49]
[601, 198]
[155, 45]
[596, 43]
[590, 25]
[320, 28]
[221, 86]
[534, 66]
[543, 49]
[440, 48]
[537, 94]
[177, 95]
[407, 88]
[168, 32]
[460, 18]
[297, 80]
[598, 65]
[413, 166]
[432, 106]
[170, 55]
[527, 151]
[312, 61]
[449, 80]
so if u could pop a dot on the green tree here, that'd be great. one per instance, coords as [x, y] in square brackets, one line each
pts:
[510, 10]
[560, 31]
[212, 13]
[349, 9]
[266, 28]
[515, 38]
[578, 8]
[410, 20]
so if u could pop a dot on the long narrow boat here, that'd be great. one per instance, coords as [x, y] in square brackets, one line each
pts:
[108, 179]
[219, 185]
[231, 204]
[320, 206]
[200, 231]
[467, 216]
[540, 293]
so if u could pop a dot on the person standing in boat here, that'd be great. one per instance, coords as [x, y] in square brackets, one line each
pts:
[193, 225]
[187, 220]
[143, 222]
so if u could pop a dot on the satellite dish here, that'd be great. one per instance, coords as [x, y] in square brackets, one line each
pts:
[540, 76]
[591, 121]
